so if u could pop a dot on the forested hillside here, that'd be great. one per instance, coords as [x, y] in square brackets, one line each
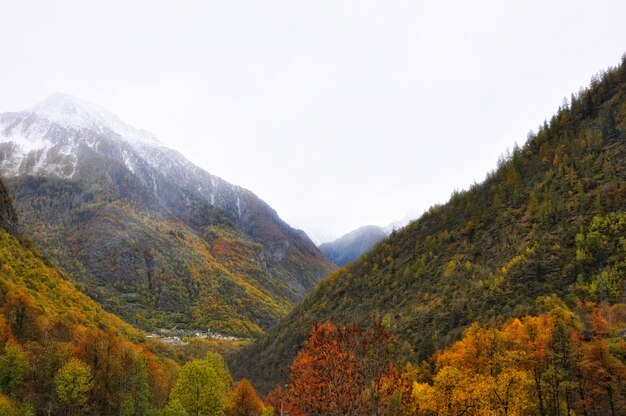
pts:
[548, 220]
[54, 339]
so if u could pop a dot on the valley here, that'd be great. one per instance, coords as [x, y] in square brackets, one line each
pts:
[133, 282]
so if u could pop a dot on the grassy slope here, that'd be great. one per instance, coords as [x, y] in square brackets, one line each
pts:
[486, 254]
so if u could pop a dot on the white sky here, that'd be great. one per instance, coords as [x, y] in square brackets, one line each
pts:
[337, 113]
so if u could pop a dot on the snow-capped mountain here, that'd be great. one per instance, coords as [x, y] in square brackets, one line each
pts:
[47, 137]
[56, 138]
[51, 138]
[73, 166]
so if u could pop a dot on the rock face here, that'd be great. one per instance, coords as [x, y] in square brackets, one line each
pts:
[151, 236]
[351, 246]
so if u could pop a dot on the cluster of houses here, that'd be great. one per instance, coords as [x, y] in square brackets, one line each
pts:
[177, 336]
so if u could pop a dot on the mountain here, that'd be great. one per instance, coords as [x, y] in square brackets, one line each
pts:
[146, 233]
[548, 220]
[351, 246]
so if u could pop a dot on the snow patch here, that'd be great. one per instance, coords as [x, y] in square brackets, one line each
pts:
[71, 112]
[127, 161]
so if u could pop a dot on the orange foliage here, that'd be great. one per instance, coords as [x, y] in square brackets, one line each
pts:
[346, 370]
[325, 377]
[245, 400]
[23, 317]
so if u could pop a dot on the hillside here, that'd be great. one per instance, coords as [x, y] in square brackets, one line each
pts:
[351, 246]
[543, 222]
[47, 326]
[8, 216]
[150, 236]
[25, 277]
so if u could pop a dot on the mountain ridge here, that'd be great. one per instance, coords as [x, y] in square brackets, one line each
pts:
[158, 208]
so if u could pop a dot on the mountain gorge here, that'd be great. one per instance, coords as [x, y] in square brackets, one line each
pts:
[147, 234]
[549, 220]
[351, 246]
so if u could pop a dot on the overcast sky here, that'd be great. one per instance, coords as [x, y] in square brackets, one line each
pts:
[337, 113]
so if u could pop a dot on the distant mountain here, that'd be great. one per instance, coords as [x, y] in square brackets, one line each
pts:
[351, 246]
[151, 236]
[411, 215]
[550, 219]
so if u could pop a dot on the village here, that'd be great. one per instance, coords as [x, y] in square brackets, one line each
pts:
[177, 336]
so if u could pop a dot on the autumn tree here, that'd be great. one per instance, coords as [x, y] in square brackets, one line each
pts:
[326, 377]
[346, 371]
[23, 317]
[277, 399]
[72, 385]
[605, 371]
[245, 400]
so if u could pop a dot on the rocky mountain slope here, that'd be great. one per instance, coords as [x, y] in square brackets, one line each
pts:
[351, 246]
[152, 237]
[548, 220]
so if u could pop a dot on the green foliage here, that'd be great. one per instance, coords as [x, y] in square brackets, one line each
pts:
[14, 367]
[136, 385]
[202, 388]
[217, 363]
[600, 257]
[175, 408]
[72, 385]
[268, 411]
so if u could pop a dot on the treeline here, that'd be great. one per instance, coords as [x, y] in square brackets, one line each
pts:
[561, 362]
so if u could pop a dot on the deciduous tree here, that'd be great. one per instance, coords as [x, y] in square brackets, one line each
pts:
[72, 385]
[245, 400]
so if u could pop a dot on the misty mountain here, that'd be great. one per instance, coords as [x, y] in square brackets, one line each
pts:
[351, 246]
[145, 232]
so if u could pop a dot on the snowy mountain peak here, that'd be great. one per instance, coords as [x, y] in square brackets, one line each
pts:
[74, 113]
